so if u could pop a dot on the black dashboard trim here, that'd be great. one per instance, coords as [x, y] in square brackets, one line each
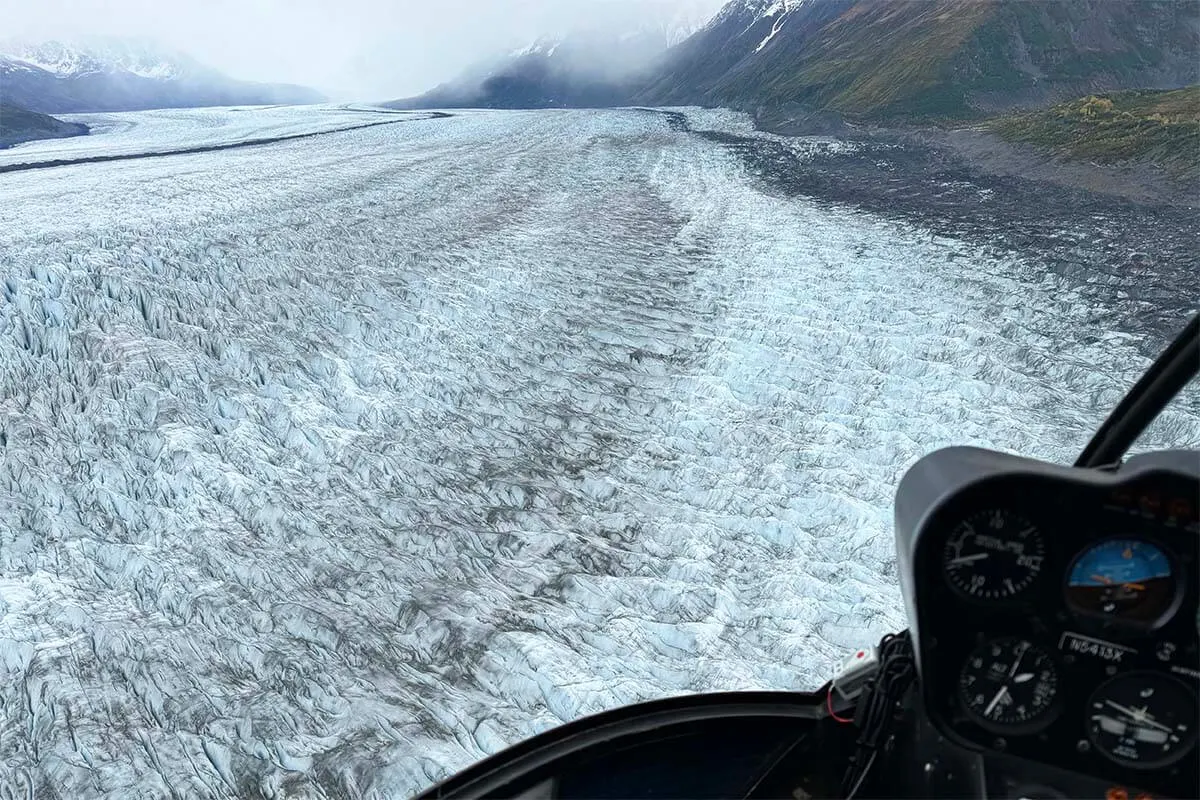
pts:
[958, 480]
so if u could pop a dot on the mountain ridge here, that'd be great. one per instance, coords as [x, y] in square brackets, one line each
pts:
[19, 125]
[113, 74]
[952, 59]
[872, 60]
[99, 54]
[580, 68]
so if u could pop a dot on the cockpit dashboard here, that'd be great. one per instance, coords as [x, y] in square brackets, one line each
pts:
[1055, 611]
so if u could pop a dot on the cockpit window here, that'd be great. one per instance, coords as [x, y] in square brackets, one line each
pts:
[1176, 428]
[382, 383]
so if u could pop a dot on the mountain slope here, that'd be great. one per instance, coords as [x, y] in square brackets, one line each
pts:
[21, 125]
[593, 68]
[137, 56]
[549, 74]
[955, 58]
[104, 74]
[1160, 127]
[702, 68]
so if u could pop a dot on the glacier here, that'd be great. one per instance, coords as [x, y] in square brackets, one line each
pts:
[129, 134]
[334, 465]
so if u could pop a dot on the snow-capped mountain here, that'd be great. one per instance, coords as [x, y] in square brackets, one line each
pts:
[925, 58]
[140, 57]
[662, 30]
[118, 74]
[755, 10]
[744, 36]
[682, 23]
[597, 66]
[866, 59]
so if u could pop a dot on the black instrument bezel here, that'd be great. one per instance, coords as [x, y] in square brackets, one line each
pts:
[1160, 763]
[966, 595]
[1052, 712]
[1116, 625]
[1073, 510]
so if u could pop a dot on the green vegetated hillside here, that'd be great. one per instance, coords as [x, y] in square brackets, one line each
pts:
[884, 59]
[1160, 127]
[930, 59]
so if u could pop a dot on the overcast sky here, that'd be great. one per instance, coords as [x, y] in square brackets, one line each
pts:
[356, 49]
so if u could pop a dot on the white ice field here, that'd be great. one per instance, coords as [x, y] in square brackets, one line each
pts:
[330, 466]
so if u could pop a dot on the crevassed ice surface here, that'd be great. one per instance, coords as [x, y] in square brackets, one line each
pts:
[132, 132]
[332, 466]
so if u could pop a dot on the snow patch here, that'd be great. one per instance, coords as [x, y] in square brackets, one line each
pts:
[86, 55]
[779, 9]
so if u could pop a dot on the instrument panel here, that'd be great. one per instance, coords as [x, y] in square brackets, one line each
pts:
[1055, 611]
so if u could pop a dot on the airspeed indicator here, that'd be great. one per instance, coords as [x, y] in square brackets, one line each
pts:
[993, 555]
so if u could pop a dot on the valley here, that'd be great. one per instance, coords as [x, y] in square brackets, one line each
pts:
[345, 444]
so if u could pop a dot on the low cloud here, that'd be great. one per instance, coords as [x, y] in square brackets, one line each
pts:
[361, 49]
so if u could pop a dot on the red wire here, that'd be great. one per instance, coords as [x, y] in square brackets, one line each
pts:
[832, 713]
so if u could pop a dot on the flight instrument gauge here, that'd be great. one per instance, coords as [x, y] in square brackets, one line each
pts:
[1124, 580]
[1009, 685]
[1145, 720]
[993, 555]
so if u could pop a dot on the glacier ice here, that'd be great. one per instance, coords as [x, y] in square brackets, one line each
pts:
[332, 466]
[129, 133]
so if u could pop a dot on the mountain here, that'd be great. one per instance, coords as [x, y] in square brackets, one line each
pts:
[21, 125]
[878, 59]
[567, 72]
[113, 74]
[865, 59]
[590, 68]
